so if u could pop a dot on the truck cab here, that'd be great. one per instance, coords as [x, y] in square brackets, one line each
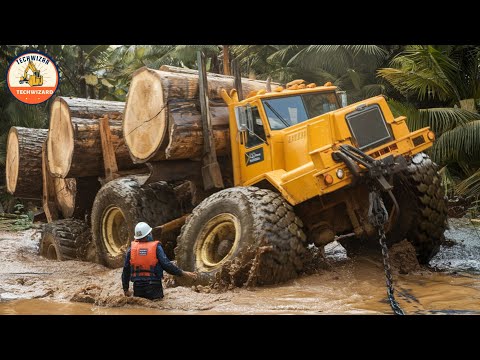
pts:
[287, 137]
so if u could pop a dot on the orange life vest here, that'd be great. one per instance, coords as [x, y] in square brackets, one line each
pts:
[143, 258]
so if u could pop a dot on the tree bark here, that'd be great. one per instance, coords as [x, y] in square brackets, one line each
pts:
[74, 197]
[185, 132]
[154, 97]
[24, 162]
[226, 60]
[75, 149]
[86, 108]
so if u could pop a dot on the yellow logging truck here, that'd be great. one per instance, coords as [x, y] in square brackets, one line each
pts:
[302, 169]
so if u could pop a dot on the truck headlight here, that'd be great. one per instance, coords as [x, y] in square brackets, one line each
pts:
[340, 173]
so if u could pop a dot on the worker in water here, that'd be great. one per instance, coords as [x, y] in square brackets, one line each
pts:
[144, 265]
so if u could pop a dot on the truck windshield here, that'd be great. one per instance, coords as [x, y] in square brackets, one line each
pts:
[290, 110]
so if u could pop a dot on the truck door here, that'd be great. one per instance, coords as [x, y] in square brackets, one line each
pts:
[254, 150]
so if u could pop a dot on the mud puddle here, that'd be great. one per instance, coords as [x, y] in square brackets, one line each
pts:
[30, 284]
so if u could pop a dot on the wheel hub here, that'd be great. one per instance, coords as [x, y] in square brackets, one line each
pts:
[114, 231]
[217, 241]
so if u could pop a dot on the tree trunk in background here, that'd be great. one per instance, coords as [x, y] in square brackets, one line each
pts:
[81, 73]
[226, 60]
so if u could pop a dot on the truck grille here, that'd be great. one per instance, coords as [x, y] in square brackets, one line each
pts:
[368, 127]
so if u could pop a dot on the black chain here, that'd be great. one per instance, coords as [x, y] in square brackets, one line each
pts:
[397, 310]
[378, 216]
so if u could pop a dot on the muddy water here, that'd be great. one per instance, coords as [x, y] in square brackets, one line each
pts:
[30, 284]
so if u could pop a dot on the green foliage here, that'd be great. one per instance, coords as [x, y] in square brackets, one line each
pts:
[470, 187]
[459, 145]
[435, 79]
[438, 119]
[424, 72]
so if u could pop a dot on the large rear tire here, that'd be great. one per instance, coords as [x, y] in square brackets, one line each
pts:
[120, 205]
[67, 239]
[248, 231]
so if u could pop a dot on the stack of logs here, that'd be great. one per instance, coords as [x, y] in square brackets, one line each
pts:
[66, 164]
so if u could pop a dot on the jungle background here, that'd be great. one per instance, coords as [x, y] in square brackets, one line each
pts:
[433, 85]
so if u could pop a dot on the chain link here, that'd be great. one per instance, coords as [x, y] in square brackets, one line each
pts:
[397, 310]
[378, 216]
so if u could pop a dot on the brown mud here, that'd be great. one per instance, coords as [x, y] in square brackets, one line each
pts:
[30, 284]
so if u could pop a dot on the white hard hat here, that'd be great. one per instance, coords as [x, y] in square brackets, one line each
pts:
[142, 229]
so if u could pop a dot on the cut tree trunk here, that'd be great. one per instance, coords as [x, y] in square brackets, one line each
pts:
[86, 108]
[154, 97]
[185, 132]
[24, 162]
[75, 148]
[74, 197]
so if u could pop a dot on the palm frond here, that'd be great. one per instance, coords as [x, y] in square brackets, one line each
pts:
[470, 187]
[438, 119]
[447, 180]
[284, 54]
[338, 58]
[444, 119]
[371, 90]
[460, 144]
[423, 71]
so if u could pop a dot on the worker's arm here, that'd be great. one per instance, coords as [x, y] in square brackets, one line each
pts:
[126, 273]
[166, 264]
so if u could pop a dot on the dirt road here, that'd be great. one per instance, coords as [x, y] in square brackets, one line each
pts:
[30, 284]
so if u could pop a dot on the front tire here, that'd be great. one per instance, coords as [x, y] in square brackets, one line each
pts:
[249, 234]
[423, 208]
[423, 212]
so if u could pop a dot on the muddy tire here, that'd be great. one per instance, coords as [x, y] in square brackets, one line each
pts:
[248, 234]
[67, 239]
[120, 205]
[423, 212]
[423, 208]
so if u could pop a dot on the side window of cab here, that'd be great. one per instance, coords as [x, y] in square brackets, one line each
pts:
[257, 136]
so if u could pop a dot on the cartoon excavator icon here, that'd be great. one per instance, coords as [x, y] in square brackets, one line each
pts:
[33, 80]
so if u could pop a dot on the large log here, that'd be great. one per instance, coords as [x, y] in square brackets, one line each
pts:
[185, 132]
[74, 147]
[24, 162]
[153, 97]
[210, 75]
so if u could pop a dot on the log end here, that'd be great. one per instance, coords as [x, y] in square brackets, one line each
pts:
[60, 141]
[65, 190]
[145, 120]
[12, 160]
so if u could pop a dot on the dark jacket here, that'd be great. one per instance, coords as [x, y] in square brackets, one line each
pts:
[163, 264]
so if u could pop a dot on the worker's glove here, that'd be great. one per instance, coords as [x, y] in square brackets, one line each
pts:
[190, 275]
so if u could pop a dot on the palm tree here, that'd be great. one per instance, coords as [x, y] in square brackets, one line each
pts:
[443, 81]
